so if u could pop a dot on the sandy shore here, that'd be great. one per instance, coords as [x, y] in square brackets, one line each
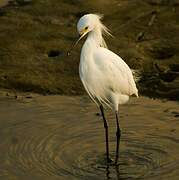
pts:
[62, 137]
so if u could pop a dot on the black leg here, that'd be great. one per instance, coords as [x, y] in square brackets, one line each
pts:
[106, 132]
[118, 135]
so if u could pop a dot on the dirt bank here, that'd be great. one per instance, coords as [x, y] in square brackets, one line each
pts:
[35, 36]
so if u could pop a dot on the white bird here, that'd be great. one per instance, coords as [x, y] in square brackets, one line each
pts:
[105, 76]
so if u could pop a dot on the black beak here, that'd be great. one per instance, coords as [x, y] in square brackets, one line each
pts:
[77, 38]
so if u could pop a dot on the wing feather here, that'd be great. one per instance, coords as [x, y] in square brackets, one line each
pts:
[115, 73]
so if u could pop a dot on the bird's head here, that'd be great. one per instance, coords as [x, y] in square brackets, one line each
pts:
[86, 24]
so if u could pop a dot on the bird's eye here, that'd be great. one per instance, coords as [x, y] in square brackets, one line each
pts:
[86, 27]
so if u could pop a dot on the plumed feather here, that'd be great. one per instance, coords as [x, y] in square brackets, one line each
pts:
[105, 76]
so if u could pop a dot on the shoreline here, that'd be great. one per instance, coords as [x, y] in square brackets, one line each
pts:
[29, 96]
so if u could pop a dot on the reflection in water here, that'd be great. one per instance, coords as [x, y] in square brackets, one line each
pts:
[45, 139]
[107, 172]
[117, 172]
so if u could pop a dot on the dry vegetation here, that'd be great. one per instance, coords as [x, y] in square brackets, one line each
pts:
[35, 36]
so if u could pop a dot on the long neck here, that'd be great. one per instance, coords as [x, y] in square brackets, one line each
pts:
[93, 41]
[96, 36]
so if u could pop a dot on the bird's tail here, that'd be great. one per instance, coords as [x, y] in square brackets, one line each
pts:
[143, 79]
[137, 74]
[140, 76]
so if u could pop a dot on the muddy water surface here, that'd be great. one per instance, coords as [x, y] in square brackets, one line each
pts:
[60, 137]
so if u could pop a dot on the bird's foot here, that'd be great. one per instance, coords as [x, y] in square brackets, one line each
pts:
[116, 163]
[109, 161]
[116, 160]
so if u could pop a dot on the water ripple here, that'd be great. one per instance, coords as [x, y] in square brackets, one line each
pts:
[71, 148]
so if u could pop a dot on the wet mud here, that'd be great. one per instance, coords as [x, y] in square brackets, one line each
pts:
[36, 35]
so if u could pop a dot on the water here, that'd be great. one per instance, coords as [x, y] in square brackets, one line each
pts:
[58, 137]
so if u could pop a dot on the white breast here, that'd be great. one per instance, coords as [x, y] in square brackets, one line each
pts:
[105, 76]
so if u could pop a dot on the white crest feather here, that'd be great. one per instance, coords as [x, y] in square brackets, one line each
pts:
[103, 29]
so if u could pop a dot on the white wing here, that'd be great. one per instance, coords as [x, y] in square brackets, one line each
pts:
[116, 74]
[107, 78]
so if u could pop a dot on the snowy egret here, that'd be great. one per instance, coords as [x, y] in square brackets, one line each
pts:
[105, 76]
